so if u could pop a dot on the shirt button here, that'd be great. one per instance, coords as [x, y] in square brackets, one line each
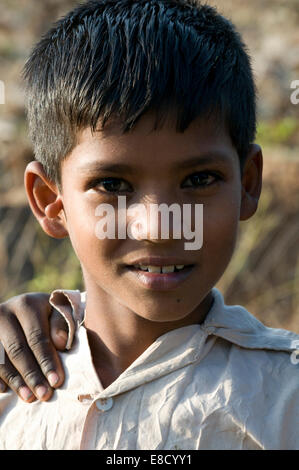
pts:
[104, 404]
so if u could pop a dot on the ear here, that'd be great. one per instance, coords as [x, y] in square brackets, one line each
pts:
[251, 182]
[45, 201]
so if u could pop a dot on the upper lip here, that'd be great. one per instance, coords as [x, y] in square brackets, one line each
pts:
[158, 261]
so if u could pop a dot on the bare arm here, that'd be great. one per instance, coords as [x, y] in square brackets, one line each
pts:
[30, 332]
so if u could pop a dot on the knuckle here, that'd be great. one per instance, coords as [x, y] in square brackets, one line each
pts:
[24, 305]
[4, 312]
[46, 364]
[12, 380]
[32, 378]
[37, 338]
[15, 350]
[12, 305]
[24, 302]
[31, 302]
[40, 344]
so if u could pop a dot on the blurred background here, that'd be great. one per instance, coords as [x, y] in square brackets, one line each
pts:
[263, 275]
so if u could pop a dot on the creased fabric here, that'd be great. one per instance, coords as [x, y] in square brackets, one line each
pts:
[228, 383]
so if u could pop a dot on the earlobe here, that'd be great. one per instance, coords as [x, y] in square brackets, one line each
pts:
[45, 201]
[251, 182]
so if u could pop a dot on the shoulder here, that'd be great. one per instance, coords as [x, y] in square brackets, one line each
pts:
[256, 351]
[238, 326]
[252, 372]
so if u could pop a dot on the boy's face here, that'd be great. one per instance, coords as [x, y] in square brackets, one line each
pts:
[199, 166]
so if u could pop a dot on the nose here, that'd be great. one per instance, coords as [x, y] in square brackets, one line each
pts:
[155, 222]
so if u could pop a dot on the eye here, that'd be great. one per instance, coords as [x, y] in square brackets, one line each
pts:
[201, 179]
[111, 185]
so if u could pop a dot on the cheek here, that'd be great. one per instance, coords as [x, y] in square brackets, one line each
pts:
[95, 255]
[220, 231]
[81, 223]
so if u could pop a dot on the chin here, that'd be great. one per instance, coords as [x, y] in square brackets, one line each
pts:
[163, 312]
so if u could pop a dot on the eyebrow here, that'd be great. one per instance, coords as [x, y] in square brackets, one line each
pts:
[206, 158]
[97, 167]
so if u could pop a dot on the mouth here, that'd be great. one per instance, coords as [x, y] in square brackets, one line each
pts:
[167, 269]
[161, 278]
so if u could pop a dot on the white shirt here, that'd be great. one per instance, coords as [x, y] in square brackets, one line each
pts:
[228, 383]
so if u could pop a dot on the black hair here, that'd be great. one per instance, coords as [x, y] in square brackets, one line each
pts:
[122, 58]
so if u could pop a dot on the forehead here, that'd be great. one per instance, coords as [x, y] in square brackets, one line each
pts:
[145, 147]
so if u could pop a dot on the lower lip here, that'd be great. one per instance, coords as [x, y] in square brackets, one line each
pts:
[160, 281]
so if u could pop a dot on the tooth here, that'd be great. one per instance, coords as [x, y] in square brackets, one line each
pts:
[167, 269]
[179, 266]
[154, 269]
[144, 268]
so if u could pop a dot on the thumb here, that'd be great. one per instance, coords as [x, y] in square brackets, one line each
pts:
[58, 330]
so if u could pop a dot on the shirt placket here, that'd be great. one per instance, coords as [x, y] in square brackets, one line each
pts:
[97, 406]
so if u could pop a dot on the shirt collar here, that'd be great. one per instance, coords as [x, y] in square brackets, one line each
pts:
[176, 348]
[235, 324]
[231, 322]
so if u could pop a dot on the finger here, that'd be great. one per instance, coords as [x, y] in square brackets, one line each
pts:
[20, 364]
[36, 330]
[3, 386]
[11, 378]
[58, 330]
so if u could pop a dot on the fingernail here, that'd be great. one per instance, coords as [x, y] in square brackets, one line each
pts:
[53, 378]
[25, 393]
[41, 391]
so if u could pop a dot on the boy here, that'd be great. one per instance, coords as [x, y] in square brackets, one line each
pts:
[155, 101]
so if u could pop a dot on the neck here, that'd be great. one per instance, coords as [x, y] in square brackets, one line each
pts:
[118, 336]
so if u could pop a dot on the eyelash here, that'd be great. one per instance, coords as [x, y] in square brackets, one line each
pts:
[97, 182]
[216, 177]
